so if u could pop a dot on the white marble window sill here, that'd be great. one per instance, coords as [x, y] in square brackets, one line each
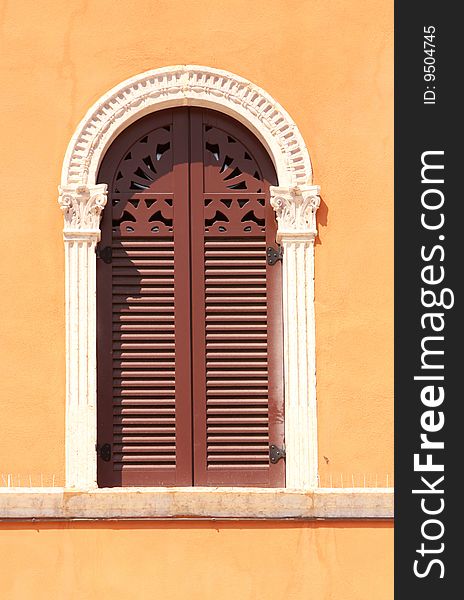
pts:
[195, 503]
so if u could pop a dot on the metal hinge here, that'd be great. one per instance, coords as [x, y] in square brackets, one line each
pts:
[276, 453]
[274, 255]
[104, 452]
[106, 253]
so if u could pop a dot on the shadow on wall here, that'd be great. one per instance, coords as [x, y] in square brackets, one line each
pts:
[177, 524]
[321, 219]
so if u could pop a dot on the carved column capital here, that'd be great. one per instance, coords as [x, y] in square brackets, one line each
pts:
[82, 206]
[296, 209]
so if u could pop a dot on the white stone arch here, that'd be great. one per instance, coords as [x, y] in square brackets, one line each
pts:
[295, 200]
[187, 85]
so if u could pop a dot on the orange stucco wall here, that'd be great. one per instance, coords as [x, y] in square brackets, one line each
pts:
[200, 561]
[330, 64]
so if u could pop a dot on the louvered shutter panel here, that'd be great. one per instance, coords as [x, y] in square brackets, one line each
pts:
[189, 348]
[236, 307]
[143, 347]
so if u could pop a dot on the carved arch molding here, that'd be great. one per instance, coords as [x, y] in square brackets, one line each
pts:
[295, 201]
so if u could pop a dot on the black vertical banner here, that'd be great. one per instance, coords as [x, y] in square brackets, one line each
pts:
[429, 328]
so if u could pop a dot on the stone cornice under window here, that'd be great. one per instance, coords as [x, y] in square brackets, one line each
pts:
[195, 503]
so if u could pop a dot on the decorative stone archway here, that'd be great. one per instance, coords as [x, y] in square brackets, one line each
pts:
[295, 200]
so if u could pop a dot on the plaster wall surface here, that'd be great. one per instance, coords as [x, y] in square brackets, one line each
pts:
[330, 66]
[204, 561]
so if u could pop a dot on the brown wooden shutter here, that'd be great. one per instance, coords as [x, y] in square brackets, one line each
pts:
[144, 391]
[237, 358]
[189, 348]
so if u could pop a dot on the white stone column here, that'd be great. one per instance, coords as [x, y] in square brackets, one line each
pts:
[296, 216]
[82, 207]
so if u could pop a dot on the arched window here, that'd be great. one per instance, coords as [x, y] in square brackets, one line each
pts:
[108, 147]
[189, 309]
